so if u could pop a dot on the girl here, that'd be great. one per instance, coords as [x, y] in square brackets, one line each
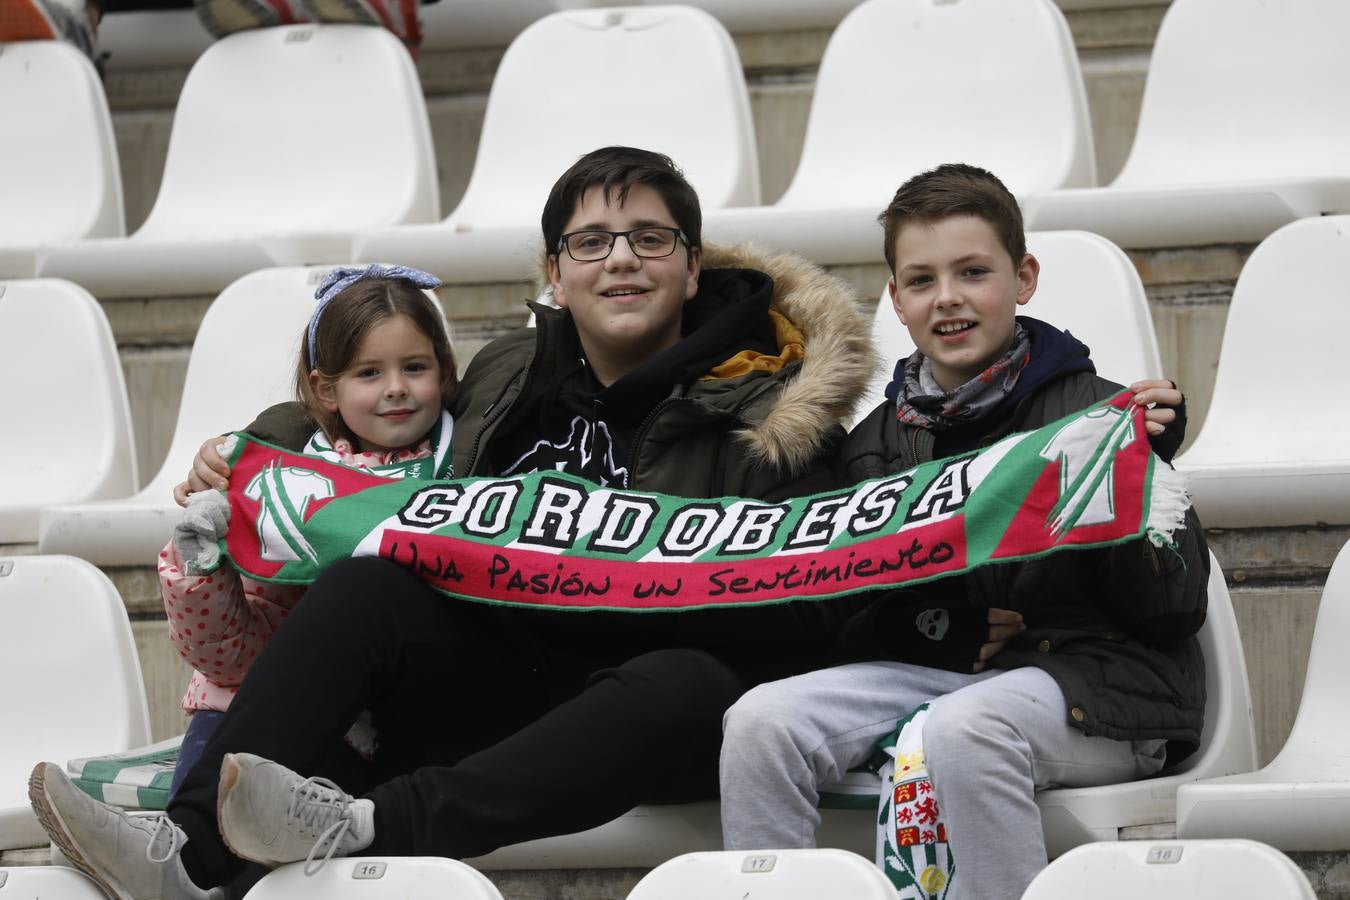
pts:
[376, 373]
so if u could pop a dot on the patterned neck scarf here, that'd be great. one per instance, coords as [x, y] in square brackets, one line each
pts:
[430, 458]
[924, 403]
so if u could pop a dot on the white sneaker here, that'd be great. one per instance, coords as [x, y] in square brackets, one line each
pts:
[270, 815]
[130, 857]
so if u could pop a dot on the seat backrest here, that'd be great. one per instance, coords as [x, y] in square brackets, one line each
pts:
[1087, 286]
[773, 875]
[1244, 89]
[67, 658]
[1175, 870]
[1319, 726]
[243, 360]
[383, 878]
[303, 128]
[67, 424]
[1228, 738]
[1289, 314]
[59, 179]
[48, 883]
[905, 85]
[663, 78]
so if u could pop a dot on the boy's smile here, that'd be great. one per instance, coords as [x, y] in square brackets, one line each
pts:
[957, 291]
[627, 308]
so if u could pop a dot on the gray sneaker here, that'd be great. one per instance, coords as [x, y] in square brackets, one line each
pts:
[130, 857]
[271, 815]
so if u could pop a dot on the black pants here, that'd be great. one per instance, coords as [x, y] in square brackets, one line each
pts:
[492, 729]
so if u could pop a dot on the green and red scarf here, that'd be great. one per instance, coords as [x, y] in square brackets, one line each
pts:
[554, 541]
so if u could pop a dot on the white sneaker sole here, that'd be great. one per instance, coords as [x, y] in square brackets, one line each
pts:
[50, 819]
[229, 777]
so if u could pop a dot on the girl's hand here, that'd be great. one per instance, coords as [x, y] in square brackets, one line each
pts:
[204, 522]
[209, 472]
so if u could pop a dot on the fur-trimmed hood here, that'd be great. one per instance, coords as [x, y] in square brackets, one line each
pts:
[837, 366]
[839, 361]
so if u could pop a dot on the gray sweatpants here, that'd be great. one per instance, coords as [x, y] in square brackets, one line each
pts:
[993, 740]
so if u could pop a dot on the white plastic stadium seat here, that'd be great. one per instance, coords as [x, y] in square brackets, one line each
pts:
[1015, 105]
[648, 836]
[643, 837]
[1243, 128]
[242, 361]
[1289, 315]
[377, 878]
[73, 681]
[768, 874]
[1073, 816]
[286, 141]
[664, 78]
[1175, 870]
[59, 179]
[1301, 799]
[1087, 286]
[63, 404]
[47, 883]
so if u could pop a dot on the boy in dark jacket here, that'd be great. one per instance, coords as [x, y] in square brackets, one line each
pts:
[666, 368]
[1105, 683]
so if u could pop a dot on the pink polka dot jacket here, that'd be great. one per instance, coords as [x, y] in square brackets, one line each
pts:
[220, 622]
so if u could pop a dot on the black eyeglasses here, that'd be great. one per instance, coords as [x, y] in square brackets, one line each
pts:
[649, 242]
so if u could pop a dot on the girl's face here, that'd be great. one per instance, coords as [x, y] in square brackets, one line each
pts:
[390, 395]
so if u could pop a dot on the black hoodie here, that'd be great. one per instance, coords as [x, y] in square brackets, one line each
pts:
[585, 428]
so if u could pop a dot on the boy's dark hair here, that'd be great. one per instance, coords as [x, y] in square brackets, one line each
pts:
[956, 189]
[355, 310]
[616, 170]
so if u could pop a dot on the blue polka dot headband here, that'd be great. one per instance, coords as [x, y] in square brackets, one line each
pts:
[343, 277]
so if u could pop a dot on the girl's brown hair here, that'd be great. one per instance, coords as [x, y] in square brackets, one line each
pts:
[344, 324]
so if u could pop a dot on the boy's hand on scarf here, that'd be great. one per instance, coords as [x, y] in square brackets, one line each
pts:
[204, 522]
[1165, 420]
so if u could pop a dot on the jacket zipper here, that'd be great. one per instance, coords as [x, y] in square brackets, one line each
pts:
[494, 412]
[642, 434]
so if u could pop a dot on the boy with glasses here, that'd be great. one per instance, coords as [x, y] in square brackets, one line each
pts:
[663, 368]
